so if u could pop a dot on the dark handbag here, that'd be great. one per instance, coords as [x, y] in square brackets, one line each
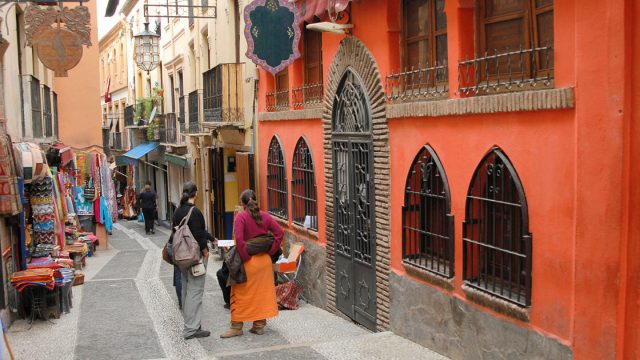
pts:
[167, 253]
[287, 294]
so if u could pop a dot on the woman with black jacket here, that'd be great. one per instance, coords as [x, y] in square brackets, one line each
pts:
[192, 286]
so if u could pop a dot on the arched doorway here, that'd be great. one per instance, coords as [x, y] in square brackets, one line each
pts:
[354, 215]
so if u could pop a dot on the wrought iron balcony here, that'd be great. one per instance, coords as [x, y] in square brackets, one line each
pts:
[115, 141]
[522, 69]
[129, 112]
[278, 100]
[420, 83]
[223, 94]
[307, 96]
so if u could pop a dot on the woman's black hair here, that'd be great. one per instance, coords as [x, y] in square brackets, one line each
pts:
[248, 198]
[189, 190]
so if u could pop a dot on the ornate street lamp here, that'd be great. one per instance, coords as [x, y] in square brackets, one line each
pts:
[147, 49]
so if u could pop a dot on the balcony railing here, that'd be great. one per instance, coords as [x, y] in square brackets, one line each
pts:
[222, 95]
[190, 128]
[116, 141]
[169, 131]
[416, 84]
[129, 112]
[507, 71]
[278, 100]
[307, 96]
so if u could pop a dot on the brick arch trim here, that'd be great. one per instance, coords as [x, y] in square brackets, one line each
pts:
[353, 54]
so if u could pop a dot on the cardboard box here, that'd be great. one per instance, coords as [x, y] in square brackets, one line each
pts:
[292, 260]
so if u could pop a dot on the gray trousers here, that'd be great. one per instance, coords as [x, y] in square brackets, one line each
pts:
[192, 291]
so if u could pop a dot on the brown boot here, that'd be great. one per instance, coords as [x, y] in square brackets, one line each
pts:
[234, 330]
[258, 327]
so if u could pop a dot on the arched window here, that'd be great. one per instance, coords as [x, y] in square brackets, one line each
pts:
[496, 239]
[303, 187]
[427, 225]
[276, 180]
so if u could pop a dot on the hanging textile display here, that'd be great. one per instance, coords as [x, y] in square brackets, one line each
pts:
[10, 203]
[31, 162]
[273, 33]
[43, 211]
[130, 196]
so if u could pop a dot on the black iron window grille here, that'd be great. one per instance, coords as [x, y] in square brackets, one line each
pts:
[191, 12]
[303, 187]
[427, 223]
[193, 112]
[171, 128]
[55, 114]
[181, 114]
[308, 95]
[519, 69]
[222, 95]
[46, 111]
[497, 245]
[129, 113]
[420, 83]
[276, 180]
[116, 140]
[36, 108]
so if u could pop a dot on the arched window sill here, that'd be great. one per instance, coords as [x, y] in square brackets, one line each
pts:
[498, 305]
[431, 278]
[312, 234]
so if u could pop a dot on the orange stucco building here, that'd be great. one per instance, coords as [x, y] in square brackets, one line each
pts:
[481, 199]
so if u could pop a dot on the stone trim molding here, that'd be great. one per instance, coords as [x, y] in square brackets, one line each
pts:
[532, 100]
[352, 54]
[436, 280]
[305, 114]
[498, 305]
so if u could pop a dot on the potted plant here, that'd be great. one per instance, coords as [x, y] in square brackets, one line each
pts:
[158, 90]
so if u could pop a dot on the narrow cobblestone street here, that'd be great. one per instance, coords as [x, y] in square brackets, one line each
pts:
[127, 309]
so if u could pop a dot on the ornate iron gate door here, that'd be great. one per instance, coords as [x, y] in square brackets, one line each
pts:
[353, 203]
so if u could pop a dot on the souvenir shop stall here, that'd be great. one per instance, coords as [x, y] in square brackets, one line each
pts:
[65, 195]
[126, 191]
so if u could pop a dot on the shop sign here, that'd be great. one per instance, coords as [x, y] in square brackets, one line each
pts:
[273, 34]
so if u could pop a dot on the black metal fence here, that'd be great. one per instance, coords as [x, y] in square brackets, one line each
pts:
[422, 83]
[497, 245]
[116, 140]
[36, 108]
[129, 113]
[276, 180]
[308, 95]
[181, 109]
[278, 100]
[427, 225]
[222, 94]
[506, 71]
[46, 111]
[303, 187]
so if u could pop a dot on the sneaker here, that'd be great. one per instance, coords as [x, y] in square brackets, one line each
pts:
[227, 306]
[153, 232]
[198, 334]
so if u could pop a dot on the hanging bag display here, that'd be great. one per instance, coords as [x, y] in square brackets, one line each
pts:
[89, 190]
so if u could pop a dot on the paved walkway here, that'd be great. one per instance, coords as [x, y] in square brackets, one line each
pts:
[127, 309]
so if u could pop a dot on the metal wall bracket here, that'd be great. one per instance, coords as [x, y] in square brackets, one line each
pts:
[179, 11]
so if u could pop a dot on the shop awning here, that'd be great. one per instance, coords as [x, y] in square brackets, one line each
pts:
[141, 150]
[123, 161]
[176, 160]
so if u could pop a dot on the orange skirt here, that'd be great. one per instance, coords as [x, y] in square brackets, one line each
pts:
[255, 299]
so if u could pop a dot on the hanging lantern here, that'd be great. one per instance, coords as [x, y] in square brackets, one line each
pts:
[147, 46]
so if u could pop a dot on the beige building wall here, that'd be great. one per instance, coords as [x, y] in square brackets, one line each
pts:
[79, 96]
[19, 65]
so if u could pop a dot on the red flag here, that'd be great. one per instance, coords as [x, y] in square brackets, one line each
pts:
[107, 95]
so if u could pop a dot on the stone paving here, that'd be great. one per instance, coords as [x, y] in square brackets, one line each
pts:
[127, 309]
